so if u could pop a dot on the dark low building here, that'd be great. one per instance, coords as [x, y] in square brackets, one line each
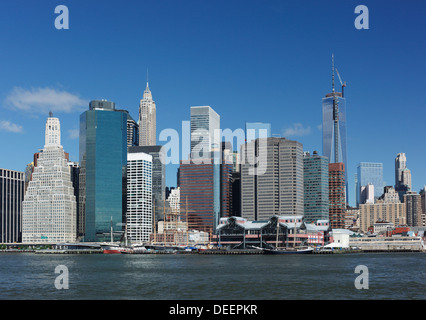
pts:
[12, 186]
[239, 233]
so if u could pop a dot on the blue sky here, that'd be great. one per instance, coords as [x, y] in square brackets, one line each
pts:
[249, 60]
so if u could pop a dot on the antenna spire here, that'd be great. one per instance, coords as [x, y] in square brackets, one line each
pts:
[332, 69]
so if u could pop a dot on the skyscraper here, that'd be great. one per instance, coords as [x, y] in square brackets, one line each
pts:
[147, 119]
[74, 169]
[103, 159]
[423, 204]
[198, 199]
[256, 130]
[271, 178]
[336, 176]
[132, 130]
[402, 175]
[334, 128]
[139, 196]
[205, 193]
[158, 173]
[369, 173]
[12, 187]
[316, 188]
[204, 123]
[49, 206]
[413, 207]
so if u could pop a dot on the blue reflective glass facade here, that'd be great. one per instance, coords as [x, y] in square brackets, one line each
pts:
[370, 173]
[103, 157]
[328, 130]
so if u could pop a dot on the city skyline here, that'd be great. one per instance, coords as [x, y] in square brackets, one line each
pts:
[237, 61]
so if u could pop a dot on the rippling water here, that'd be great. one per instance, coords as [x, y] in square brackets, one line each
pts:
[210, 277]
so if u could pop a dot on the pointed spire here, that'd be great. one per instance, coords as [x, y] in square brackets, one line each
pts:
[147, 93]
[332, 69]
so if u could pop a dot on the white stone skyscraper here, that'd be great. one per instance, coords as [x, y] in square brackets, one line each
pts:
[139, 195]
[49, 206]
[147, 120]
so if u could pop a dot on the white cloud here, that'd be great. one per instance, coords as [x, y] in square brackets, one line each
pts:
[43, 100]
[10, 127]
[297, 130]
[73, 134]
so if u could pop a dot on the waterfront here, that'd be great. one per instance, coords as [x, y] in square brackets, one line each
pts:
[213, 277]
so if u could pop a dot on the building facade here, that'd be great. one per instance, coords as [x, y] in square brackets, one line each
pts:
[74, 170]
[271, 178]
[147, 119]
[12, 189]
[174, 201]
[388, 208]
[367, 193]
[402, 175]
[369, 173]
[423, 202]
[139, 220]
[103, 159]
[132, 131]
[334, 129]
[205, 194]
[49, 207]
[205, 123]
[158, 173]
[413, 207]
[337, 195]
[316, 188]
[199, 200]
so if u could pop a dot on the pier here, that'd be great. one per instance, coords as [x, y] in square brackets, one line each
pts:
[233, 252]
[69, 251]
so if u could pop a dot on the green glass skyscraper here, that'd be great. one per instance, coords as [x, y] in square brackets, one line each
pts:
[103, 159]
[316, 187]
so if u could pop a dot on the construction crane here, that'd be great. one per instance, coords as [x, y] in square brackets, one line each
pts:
[341, 82]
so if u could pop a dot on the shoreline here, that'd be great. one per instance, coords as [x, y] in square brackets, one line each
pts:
[201, 252]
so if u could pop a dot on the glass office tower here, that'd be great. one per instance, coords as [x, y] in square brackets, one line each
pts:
[334, 131]
[369, 173]
[103, 159]
[316, 187]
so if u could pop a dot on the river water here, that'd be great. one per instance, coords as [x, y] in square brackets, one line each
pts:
[209, 277]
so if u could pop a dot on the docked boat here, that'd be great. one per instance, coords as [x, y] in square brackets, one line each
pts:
[117, 250]
[120, 248]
